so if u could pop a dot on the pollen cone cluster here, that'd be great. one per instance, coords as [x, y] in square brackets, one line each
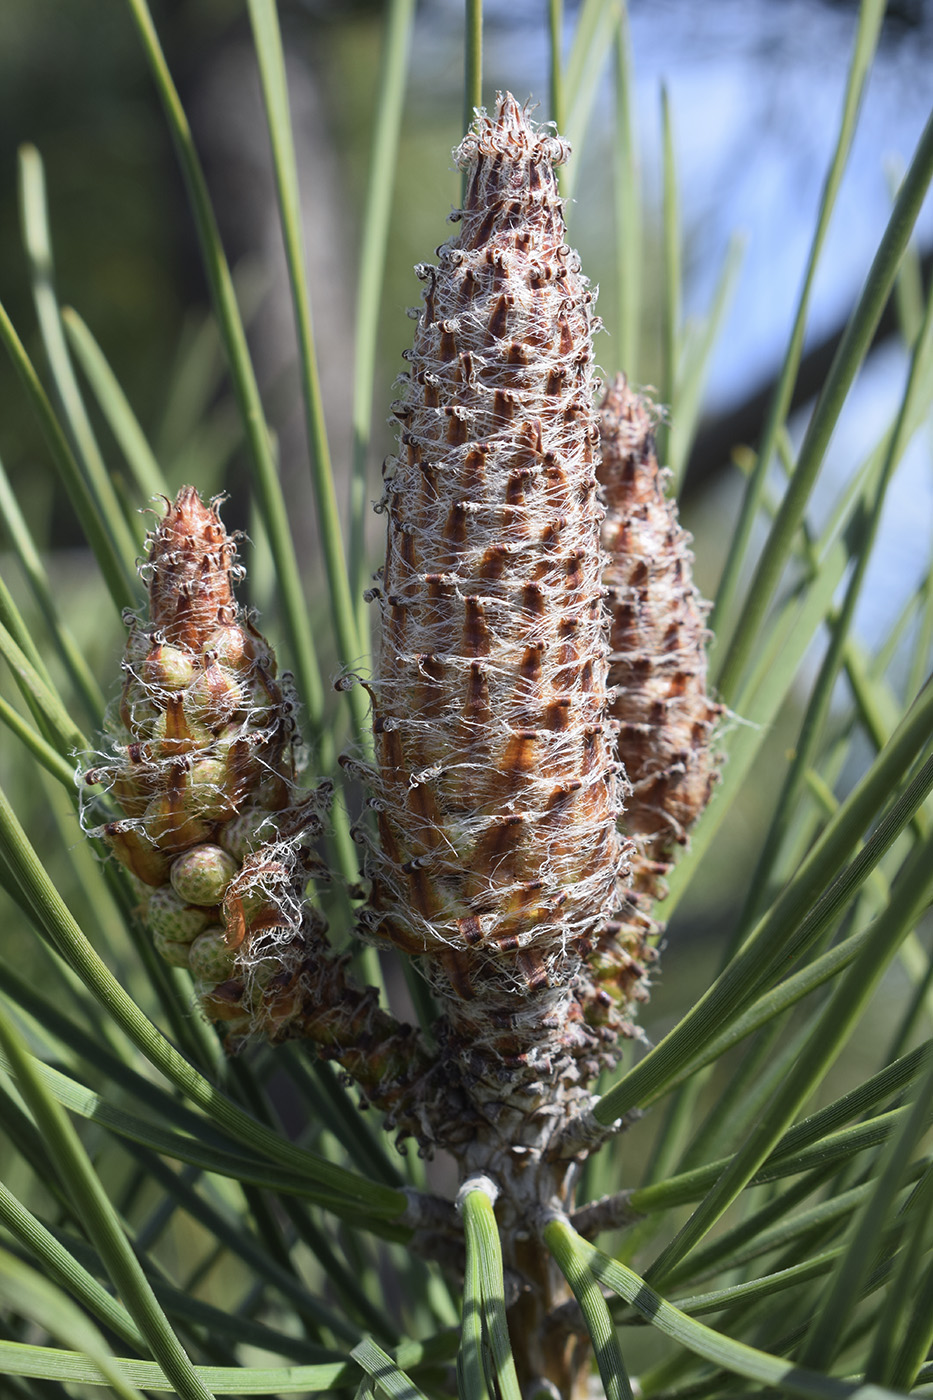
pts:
[658, 671]
[497, 787]
[215, 832]
[541, 654]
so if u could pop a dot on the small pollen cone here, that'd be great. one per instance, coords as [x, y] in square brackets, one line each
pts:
[657, 666]
[218, 837]
[202, 764]
[497, 789]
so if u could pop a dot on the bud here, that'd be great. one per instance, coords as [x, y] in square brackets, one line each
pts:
[211, 959]
[168, 668]
[247, 831]
[171, 917]
[214, 697]
[206, 792]
[175, 951]
[658, 641]
[202, 875]
[169, 822]
[174, 731]
[135, 850]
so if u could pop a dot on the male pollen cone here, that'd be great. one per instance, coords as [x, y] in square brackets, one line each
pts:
[658, 639]
[202, 763]
[216, 832]
[497, 788]
[658, 669]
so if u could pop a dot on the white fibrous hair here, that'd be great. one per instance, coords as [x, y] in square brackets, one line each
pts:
[497, 789]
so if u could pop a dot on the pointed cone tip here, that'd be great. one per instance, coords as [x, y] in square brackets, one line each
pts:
[509, 132]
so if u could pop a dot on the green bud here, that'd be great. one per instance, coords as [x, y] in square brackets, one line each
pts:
[273, 792]
[211, 960]
[230, 645]
[170, 918]
[137, 712]
[170, 826]
[202, 875]
[171, 950]
[262, 973]
[206, 790]
[247, 832]
[168, 668]
[213, 697]
[174, 733]
[262, 700]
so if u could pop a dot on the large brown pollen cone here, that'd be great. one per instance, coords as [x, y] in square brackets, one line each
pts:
[497, 788]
